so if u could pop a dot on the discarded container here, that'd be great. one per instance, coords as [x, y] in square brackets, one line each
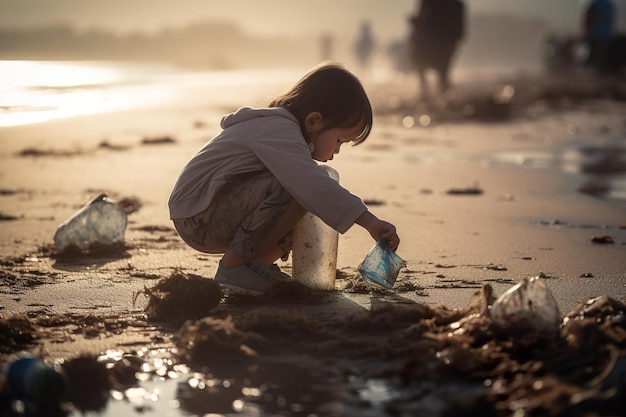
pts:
[30, 378]
[314, 251]
[526, 307]
[101, 221]
[381, 265]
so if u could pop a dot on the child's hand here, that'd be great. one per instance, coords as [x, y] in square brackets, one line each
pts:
[380, 229]
[385, 230]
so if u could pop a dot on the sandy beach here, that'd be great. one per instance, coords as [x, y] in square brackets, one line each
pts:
[482, 195]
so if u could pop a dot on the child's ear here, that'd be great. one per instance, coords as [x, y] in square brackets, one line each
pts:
[313, 122]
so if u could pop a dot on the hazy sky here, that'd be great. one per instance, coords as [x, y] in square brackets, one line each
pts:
[269, 17]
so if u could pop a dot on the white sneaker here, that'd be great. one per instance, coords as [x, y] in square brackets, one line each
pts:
[274, 271]
[249, 279]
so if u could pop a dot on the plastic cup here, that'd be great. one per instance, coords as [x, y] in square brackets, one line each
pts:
[381, 266]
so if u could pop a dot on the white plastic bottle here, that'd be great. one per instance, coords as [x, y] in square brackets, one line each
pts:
[314, 252]
[101, 221]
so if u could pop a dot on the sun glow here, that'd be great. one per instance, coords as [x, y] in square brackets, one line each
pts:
[37, 91]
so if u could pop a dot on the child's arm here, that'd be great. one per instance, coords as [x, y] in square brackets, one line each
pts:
[379, 229]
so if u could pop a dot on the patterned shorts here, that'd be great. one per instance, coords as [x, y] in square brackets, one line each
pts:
[241, 213]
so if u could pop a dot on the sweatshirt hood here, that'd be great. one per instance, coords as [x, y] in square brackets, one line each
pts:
[248, 113]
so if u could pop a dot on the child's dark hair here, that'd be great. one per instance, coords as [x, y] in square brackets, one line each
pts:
[335, 93]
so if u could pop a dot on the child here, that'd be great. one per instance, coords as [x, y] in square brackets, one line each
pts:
[244, 191]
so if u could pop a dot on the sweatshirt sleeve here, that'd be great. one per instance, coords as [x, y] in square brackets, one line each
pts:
[284, 152]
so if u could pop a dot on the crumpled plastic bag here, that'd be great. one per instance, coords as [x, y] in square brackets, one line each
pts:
[526, 307]
[381, 265]
[100, 222]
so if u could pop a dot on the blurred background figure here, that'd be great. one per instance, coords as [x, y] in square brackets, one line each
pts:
[598, 30]
[436, 30]
[364, 46]
[326, 47]
[559, 53]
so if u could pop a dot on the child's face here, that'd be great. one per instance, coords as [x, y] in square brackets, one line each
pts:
[328, 142]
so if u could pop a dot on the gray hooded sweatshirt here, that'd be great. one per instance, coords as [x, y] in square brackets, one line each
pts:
[259, 140]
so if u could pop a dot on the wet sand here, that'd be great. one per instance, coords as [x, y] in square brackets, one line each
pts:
[480, 196]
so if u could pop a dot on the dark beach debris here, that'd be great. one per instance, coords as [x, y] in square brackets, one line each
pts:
[604, 160]
[7, 217]
[8, 191]
[564, 224]
[73, 253]
[340, 275]
[36, 152]
[586, 275]
[445, 266]
[181, 297]
[545, 275]
[20, 332]
[90, 382]
[595, 186]
[472, 190]
[421, 348]
[217, 344]
[130, 204]
[19, 282]
[105, 144]
[491, 266]
[602, 239]
[277, 326]
[17, 333]
[445, 282]
[373, 202]
[293, 290]
[199, 124]
[448, 362]
[160, 140]
[403, 285]
[554, 222]
[356, 285]
[155, 228]
[507, 281]
[93, 377]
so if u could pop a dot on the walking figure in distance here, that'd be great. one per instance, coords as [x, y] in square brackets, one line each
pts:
[598, 29]
[436, 31]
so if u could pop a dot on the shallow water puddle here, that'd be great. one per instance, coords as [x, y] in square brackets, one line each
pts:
[167, 389]
[602, 169]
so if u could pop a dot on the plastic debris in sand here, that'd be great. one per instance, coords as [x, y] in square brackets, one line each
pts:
[381, 266]
[101, 222]
[527, 307]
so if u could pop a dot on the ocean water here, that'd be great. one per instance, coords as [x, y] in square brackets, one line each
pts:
[38, 91]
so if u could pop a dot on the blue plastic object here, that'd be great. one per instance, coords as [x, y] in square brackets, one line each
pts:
[381, 266]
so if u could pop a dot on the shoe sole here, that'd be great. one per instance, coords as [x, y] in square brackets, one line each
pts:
[233, 289]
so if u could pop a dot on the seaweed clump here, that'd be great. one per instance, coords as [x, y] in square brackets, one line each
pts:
[181, 297]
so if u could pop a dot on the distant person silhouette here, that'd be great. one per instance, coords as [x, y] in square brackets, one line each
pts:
[365, 45]
[436, 31]
[326, 47]
[598, 29]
